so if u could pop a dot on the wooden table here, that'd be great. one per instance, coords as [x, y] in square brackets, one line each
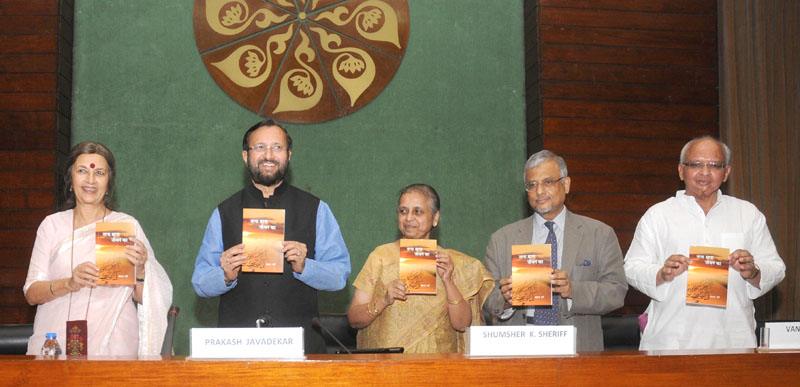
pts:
[685, 368]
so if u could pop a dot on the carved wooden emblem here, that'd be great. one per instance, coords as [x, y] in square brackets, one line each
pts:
[302, 60]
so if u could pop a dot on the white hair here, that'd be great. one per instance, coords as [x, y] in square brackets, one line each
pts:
[725, 149]
[542, 157]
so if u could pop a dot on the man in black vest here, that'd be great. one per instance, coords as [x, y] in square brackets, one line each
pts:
[316, 257]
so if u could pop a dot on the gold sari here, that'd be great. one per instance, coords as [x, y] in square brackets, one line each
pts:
[420, 324]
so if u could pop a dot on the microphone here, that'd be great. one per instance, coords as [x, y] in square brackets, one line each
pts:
[264, 320]
[166, 347]
[316, 323]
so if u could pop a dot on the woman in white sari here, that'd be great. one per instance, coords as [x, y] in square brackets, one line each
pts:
[121, 320]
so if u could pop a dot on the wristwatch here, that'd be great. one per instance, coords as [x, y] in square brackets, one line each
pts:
[756, 273]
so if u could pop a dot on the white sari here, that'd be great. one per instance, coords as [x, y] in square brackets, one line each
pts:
[116, 324]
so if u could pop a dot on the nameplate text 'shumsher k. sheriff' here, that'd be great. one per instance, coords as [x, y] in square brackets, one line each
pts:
[521, 340]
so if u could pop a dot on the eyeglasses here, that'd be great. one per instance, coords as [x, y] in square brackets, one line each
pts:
[261, 148]
[699, 165]
[546, 183]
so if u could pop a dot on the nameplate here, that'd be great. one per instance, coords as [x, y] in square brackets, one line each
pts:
[784, 335]
[521, 340]
[246, 343]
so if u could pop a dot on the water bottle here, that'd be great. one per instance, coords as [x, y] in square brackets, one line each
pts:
[50, 348]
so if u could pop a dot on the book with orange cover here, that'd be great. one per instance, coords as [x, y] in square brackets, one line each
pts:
[418, 265]
[707, 283]
[530, 275]
[262, 236]
[110, 243]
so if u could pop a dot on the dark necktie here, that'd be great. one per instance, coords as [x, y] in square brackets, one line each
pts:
[545, 315]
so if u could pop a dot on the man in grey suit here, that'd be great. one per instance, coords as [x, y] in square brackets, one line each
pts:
[588, 279]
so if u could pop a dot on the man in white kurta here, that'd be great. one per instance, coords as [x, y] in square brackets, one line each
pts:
[656, 263]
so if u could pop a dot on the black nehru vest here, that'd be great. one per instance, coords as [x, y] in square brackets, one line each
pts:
[282, 299]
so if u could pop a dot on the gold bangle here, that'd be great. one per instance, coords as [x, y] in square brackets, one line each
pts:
[370, 311]
[455, 302]
[375, 308]
[52, 291]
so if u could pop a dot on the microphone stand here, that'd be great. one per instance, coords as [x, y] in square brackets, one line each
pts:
[317, 323]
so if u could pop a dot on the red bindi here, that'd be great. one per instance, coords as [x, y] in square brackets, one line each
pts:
[91, 165]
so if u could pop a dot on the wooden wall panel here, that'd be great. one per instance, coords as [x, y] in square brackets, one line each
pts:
[28, 25]
[16, 237]
[625, 166]
[631, 147]
[22, 199]
[618, 87]
[559, 126]
[27, 179]
[702, 7]
[631, 92]
[629, 56]
[29, 7]
[26, 218]
[16, 258]
[35, 94]
[28, 63]
[614, 73]
[30, 140]
[626, 37]
[622, 18]
[41, 82]
[27, 159]
[27, 101]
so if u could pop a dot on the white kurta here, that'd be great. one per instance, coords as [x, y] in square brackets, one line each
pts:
[670, 227]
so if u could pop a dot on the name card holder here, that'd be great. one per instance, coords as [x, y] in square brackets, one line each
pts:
[247, 343]
[521, 340]
[782, 335]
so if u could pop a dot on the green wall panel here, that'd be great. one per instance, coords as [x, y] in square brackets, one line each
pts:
[452, 117]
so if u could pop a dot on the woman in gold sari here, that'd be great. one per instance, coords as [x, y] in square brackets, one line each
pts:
[388, 316]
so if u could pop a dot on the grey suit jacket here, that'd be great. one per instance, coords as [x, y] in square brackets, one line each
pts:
[593, 261]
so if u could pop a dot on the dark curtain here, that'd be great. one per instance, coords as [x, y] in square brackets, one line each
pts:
[759, 56]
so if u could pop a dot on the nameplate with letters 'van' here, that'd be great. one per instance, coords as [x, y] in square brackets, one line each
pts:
[783, 335]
